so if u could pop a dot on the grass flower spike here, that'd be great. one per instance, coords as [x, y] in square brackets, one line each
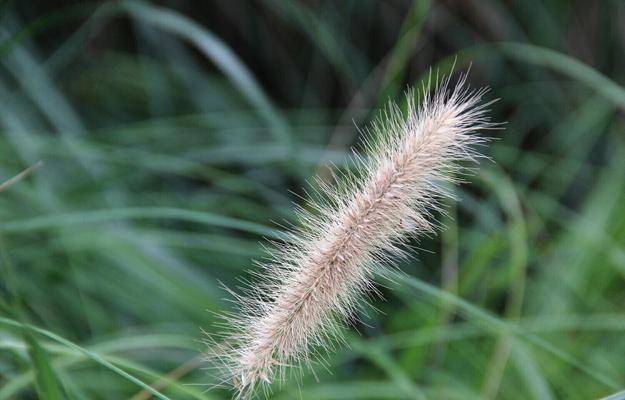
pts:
[315, 280]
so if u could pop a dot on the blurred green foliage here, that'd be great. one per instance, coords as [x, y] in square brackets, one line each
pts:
[176, 135]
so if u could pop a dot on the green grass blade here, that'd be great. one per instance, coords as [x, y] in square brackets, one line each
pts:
[89, 354]
[217, 51]
[492, 322]
[155, 213]
[47, 382]
[567, 65]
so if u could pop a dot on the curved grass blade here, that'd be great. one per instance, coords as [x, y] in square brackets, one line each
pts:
[491, 322]
[87, 353]
[218, 52]
[72, 357]
[567, 65]
[114, 214]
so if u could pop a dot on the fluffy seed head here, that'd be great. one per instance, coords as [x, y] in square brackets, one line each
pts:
[316, 278]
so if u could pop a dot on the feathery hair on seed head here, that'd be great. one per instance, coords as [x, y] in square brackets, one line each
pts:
[315, 279]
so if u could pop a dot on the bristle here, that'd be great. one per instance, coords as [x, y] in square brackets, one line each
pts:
[315, 281]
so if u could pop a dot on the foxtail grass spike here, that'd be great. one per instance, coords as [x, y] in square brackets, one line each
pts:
[315, 280]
